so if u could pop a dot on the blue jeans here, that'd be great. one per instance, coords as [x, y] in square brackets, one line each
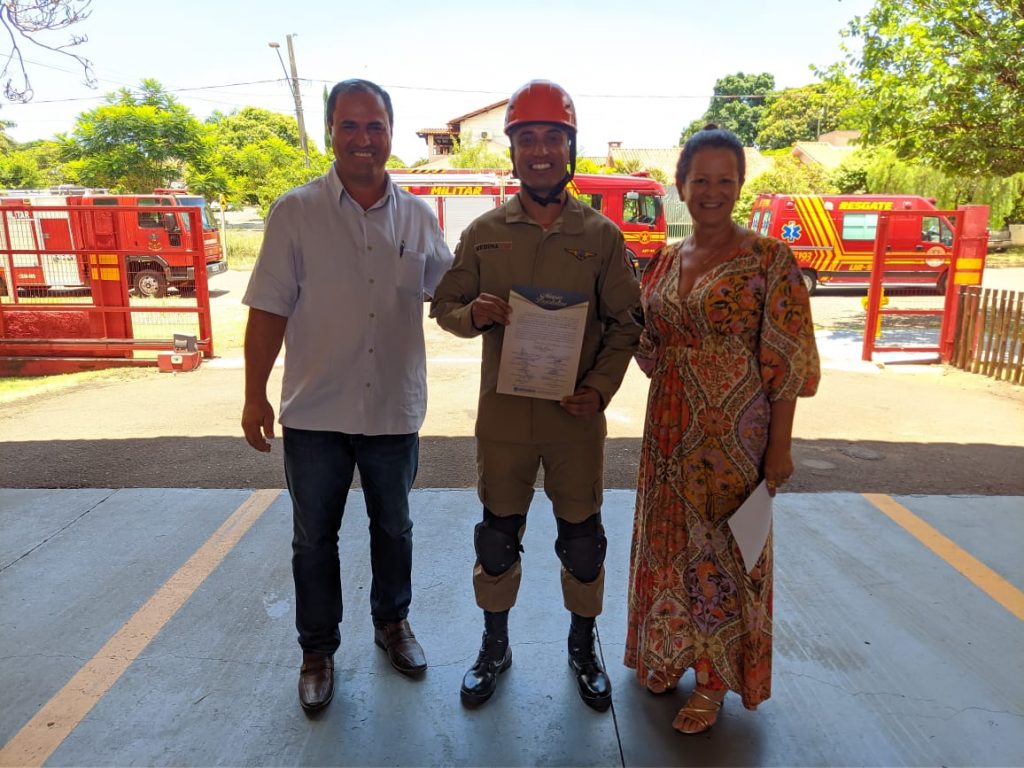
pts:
[319, 467]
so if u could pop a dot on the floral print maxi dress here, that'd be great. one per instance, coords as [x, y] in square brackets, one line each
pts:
[741, 339]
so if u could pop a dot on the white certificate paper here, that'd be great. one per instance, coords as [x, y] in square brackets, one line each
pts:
[541, 349]
[750, 525]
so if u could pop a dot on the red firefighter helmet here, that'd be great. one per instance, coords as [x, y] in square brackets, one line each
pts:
[540, 101]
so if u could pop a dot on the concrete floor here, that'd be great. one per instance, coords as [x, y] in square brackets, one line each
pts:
[885, 654]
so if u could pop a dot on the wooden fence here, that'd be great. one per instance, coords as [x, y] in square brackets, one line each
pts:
[990, 333]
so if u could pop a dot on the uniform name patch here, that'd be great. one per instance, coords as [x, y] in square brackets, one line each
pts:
[579, 254]
[502, 246]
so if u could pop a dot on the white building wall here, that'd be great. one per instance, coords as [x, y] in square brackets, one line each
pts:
[489, 127]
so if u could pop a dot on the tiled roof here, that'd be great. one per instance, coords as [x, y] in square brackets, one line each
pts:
[480, 111]
[665, 159]
[820, 153]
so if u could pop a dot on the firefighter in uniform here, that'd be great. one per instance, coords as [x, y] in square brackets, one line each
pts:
[542, 238]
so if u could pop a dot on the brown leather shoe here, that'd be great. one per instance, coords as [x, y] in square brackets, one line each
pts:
[316, 681]
[404, 651]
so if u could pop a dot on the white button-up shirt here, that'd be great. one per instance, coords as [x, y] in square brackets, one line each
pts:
[351, 283]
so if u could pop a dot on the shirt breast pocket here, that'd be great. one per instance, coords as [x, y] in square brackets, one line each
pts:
[411, 265]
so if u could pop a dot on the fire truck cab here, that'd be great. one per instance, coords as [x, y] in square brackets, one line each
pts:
[833, 237]
[157, 241]
[633, 202]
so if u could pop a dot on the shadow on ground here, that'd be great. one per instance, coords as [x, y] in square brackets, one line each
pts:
[450, 462]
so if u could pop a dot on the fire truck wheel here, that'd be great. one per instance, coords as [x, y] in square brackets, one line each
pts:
[810, 280]
[149, 283]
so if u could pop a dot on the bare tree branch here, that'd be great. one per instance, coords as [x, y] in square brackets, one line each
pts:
[24, 20]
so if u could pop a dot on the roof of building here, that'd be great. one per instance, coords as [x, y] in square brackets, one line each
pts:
[839, 138]
[476, 112]
[822, 153]
[666, 158]
[424, 132]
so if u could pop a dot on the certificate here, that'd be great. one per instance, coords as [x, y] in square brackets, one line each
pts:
[540, 353]
[750, 525]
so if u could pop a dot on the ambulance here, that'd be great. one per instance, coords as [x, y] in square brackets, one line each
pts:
[633, 202]
[833, 237]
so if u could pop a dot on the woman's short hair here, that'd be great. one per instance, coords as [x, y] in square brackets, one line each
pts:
[710, 137]
[360, 86]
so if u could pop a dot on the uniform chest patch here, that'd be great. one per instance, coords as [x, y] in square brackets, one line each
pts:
[501, 246]
[579, 254]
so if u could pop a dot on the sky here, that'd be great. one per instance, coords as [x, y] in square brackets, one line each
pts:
[638, 72]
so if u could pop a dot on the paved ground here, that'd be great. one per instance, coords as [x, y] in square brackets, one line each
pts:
[889, 428]
[154, 627]
[143, 621]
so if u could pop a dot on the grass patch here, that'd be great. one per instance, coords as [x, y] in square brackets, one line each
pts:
[18, 387]
[243, 248]
[1012, 257]
[229, 322]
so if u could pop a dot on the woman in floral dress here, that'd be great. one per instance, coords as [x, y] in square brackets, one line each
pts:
[729, 346]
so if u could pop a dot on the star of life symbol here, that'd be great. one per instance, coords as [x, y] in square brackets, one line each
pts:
[790, 231]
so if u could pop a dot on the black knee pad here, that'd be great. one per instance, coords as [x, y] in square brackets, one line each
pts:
[496, 540]
[581, 547]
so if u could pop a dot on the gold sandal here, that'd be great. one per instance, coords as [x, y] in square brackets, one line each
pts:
[705, 716]
[659, 682]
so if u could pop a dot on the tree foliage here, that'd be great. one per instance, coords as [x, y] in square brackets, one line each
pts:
[137, 141]
[738, 103]
[33, 165]
[29, 21]
[468, 153]
[251, 125]
[886, 173]
[787, 175]
[803, 114]
[254, 157]
[944, 82]
[851, 177]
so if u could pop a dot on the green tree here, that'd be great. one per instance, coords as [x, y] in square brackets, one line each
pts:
[633, 165]
[944, 82]
[265, 170]
[787, 175]
[467, 153]
[803, 114]
[32, 165]
[586, 165]
[251, 125]
[19, 170]
[886, 173]
[737, 104]
[253, 157]
[851, 177]
[135, 142]
[7, 144]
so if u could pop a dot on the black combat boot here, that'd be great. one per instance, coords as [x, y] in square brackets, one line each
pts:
[595, 687]
[494, 658]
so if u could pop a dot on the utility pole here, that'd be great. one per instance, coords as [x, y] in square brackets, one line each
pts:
[293, 85]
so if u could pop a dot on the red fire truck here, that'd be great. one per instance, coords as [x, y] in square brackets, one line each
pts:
[158, 241]
[633, 202]
[833, 237]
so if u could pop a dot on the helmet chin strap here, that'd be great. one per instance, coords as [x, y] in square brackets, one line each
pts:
[554, 196]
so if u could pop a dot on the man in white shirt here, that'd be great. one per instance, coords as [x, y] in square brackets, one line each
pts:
[340, 280]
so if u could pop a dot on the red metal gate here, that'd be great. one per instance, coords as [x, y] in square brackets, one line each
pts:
[967, 263]
[65, 291]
